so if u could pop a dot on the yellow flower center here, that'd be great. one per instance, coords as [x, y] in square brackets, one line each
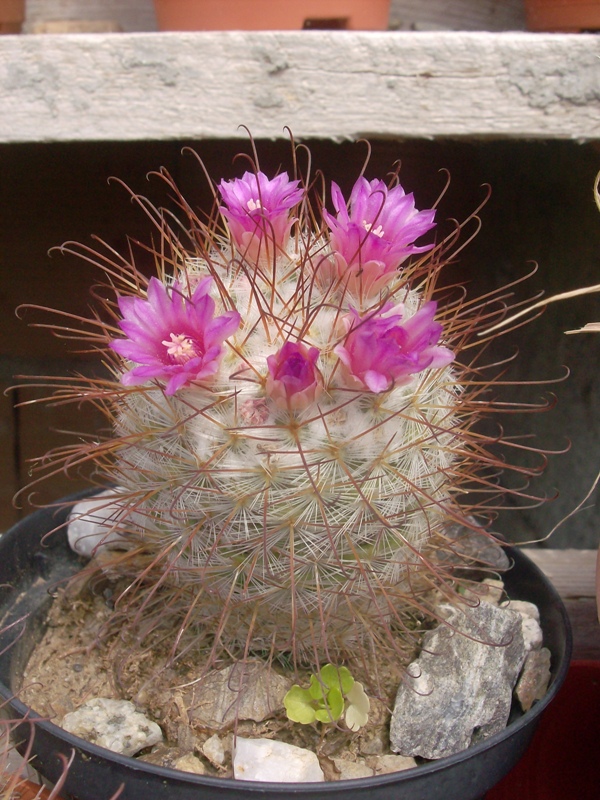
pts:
[180, 348]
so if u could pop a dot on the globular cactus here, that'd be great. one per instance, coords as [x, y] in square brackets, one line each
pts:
[293, 431]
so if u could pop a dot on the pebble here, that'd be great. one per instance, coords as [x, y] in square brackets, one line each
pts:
[471, 547]
[532, 633]
[384, 765]
[523, 607]
[530, 615]
[352, 769]
[269, 760]
[175, 758]
[535, 677]
[214, 750]
[114, 724]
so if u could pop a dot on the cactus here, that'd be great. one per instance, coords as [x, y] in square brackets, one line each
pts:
[293, 420]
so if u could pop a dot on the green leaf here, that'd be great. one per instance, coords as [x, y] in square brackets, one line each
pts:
[317, 689]
[346, 680]
[335, 703]
[338, 677]
[334, 707]
[298, 705]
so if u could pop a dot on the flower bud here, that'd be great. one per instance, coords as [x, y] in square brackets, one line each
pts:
[293, 380]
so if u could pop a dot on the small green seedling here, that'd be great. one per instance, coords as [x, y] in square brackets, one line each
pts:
[331, 695]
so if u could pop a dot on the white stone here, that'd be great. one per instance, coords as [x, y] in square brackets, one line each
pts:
[214, 750]
[114, 724]
[530, 616]
[92, 525]
[270, 760]
[532, 633]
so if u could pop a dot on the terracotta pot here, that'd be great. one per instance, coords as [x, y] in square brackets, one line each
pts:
[253, 15]
[568, 16]
[12, 15]
[27, 790]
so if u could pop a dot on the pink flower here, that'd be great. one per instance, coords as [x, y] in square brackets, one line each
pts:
[377, 235]
[293, 381]
[381, 351]
[172, 337]
[257, 207]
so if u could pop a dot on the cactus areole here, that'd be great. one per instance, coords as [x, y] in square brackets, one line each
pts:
[294, 404]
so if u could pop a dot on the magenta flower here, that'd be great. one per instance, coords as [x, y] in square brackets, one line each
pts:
[377, 235]
[257, 207]
[293, 380]
[172, 337]
[380, 350]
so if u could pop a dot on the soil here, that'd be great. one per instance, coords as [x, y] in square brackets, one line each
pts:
[71, 665]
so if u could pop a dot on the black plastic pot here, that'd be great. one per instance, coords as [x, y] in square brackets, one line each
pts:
[28, 572]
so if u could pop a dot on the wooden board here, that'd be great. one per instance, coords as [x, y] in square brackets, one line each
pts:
[573, 573]
[329, 84]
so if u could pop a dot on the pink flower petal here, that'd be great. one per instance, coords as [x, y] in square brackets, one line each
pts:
[171, 337]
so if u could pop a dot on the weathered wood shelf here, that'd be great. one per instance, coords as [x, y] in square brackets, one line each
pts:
[324, 84]
[573, 574]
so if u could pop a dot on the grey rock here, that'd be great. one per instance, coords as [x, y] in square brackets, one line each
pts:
[114, 724]
[248, 690]
[534, 680]
[470, 549]
[462, 682]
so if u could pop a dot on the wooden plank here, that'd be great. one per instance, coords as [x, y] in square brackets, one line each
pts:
[573, 572]
[586, 629]
[323, 84]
